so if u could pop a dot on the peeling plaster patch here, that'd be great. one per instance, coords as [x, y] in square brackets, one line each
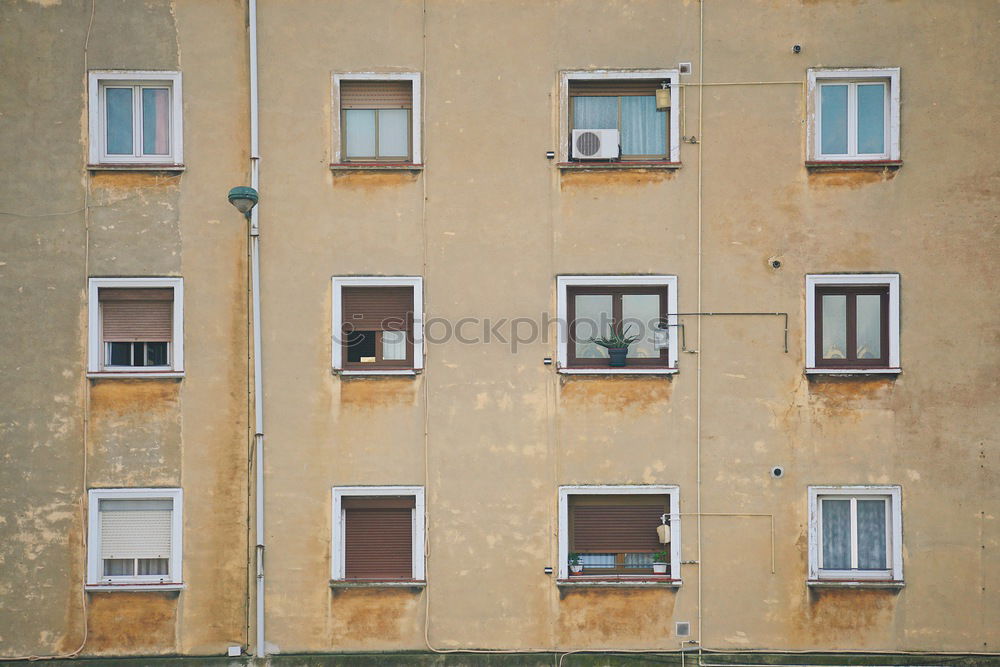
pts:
[371, 392]
[372, 181]
[132, 623]
[608, 616]
[614, 394]
[913, 475]
[855, 617]
[46, 3]
[371, 616]
[611, 178]
[738, 638]
[852, 179]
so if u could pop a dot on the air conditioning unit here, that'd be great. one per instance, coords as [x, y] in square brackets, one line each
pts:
[595, 145]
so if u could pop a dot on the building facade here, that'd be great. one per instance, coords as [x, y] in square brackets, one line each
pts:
[777, 199]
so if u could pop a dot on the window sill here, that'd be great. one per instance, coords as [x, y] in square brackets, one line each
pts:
[136, 166]
[133, 587]
[819, 165]
[125, 375]
[854, 583]
[598, 165]
[853, 371]
[383, 371]
[374, 583]
[615, 582]
[618, 371]
[376, 166]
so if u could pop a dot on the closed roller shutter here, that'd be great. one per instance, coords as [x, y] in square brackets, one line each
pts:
[376, 95]
[378, 538]
[378, 308]
[602, 88]
[136, 528]
[616, 528]
[137, 315]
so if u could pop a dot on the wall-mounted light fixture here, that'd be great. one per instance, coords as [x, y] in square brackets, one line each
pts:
[244, 199]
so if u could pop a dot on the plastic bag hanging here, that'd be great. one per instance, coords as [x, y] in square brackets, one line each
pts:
[663, 530]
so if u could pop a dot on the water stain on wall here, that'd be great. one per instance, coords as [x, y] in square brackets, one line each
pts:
[850, 617]
[146, 397]
[614, 394]
[849, 178]
[842, 396]
[132, 623]
[372, 392]
[370, 180]
[363, 615]
[132, 179]
[625, 177]
[589, 616]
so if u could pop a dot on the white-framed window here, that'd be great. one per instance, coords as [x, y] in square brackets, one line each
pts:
[852, 323]
[587, 515]
[136, 326]
[855, 533]
[134, 538]
[592, 307]
[378, 325]
[622, 100]
[136, 118]
[378, 533]
[376, 117]
[853, 114]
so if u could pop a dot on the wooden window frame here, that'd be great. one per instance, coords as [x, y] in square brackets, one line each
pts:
[671, 491]
[95, 338]
[616, 293]
[853, 283]
[851, 293]
[816, 78]
[98, 83]
[338, 526]
[892, 494]
[95, 580]
[673, 155]
[338, 134]
[565, 285]
[415, 342]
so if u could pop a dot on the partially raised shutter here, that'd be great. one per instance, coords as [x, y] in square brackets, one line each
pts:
[376, 95]
[135, 528]
[137, 315]
[616, 528]
[602, 88]
[378, 538]
[378, 308]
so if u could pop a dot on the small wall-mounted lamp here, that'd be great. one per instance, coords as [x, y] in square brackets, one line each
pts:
[244, 199]
[663, 96]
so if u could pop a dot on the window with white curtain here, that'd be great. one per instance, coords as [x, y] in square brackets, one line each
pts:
[855, 533]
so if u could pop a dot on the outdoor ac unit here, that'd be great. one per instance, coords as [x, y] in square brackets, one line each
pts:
[595, 144]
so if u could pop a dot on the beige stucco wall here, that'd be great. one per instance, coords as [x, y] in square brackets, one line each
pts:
[489, 223]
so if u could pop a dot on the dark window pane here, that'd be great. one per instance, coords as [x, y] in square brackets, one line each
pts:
[156, 354]
[121, 354]
[361, 346]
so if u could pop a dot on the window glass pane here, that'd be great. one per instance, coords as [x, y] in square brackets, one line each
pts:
[154, 566]
[591, 561]
[393, 133]
[361, 346]
[869, 326]
[118, 567]
[834, 326]
[359, 129]
[833, 119]
[638, 560]
[155, 121]
[871, 535]
[156, 354]
[118, 103]
[393, 345]
[641, 312]
[644, 129]
[595, 113]
[836, 534]
[593, 320]
[871, 118]
[119, 354]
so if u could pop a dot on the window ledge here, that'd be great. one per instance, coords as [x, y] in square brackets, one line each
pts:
[818, 165]
[385, 371]
[643, 582]
[618, 371]
[136, 166]
[126, 375]
[134, 587]
[853, 371]
[598, 165]
[854, 583]
[362, 583]
[376, 166]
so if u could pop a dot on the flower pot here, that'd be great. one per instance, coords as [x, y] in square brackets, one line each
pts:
[659, 568]
[617, 356]
[576, 569]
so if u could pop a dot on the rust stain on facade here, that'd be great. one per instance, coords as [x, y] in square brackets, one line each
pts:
[849, 178]
[849, 390]
[362, 393]
[131, 623]
[851, 616]
[625, 177]
[614, 394]
[118, 397]
[587, 615]
[132, 179]
[377, 614]
[369, 180]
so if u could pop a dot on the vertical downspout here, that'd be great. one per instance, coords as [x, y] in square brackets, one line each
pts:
[258, 379]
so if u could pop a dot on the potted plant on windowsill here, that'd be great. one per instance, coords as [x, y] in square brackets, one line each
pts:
[575, 564]
[660, 560]
[617, 345]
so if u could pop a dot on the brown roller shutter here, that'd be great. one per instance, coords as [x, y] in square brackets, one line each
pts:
[381, 502]
[144, 315]
[616, 528]
[378, 542]
[602, 88]
[378, 308]
[376, 95]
